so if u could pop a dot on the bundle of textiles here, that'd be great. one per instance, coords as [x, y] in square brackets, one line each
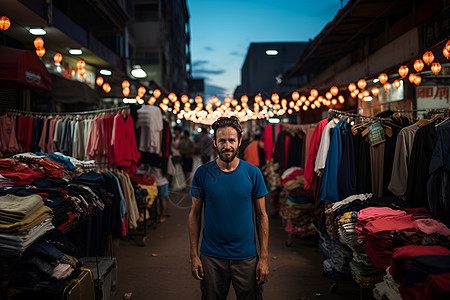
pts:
[296, 208]
[43, 269]
[363, 270]
[422, 272]
[338, 256]
[22, 221]
[146, 191]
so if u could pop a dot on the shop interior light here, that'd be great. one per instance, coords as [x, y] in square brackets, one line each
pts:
[272, 52]
[105, 72]
[138, 72]
[274, 120]
[368, 98]
[75, 51]
[37, 31]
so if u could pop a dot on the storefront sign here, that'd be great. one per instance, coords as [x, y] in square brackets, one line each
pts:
[433, 97]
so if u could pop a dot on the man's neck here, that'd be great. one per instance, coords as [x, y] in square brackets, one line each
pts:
[227, 166]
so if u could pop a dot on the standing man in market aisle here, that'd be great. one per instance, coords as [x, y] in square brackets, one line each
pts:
[229, 189]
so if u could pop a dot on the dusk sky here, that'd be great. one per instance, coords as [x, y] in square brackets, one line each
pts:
[222, 30]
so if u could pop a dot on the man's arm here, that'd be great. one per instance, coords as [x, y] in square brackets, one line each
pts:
[262, 226]
[194, 235]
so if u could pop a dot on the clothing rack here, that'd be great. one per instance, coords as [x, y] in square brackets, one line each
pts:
[71, 113]
[331, 112]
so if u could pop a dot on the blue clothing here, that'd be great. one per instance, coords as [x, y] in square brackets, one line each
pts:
[228, 230]
[122, 205]
[60, 160]
[330, 190]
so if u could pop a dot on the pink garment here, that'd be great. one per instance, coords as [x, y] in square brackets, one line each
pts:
[126, 154]
[383, 224]
[96, 146]
[8, 140]
[29, 133]
[309, 135]
[42, 144]
[51, 146]
[430, 226]
[310, 175]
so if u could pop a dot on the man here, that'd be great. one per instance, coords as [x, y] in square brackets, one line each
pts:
[187, 149]
[205, 147]
[229, 189]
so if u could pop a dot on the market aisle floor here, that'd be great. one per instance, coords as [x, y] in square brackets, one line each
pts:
[161, 269]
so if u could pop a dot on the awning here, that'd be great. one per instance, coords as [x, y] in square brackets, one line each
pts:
[68, 91]
[22, 69]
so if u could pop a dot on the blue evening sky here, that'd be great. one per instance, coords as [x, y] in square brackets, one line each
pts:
[222, 30]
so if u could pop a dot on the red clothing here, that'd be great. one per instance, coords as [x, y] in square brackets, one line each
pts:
[251, 154]
[108, 125]
[310, 175]
[126, 154]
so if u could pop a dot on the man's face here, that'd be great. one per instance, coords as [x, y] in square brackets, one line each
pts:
[227, 143]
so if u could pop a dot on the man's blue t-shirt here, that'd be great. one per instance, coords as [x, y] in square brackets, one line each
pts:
[228, 230]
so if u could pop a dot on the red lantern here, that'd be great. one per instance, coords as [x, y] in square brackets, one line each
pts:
[362, 84]
[106, 87]
[156, 93]
[383, 78]
[184, 98]
[418, 65]
[397, 83]
[199, 99]
[314, 93]
[334, 90]
[403, 71]
[165, 101]
[446, 53]
[141, 91]
[57, 58]
[258, 98]
[387, 86]
[411, 77]
[341, 99]
[374, 91]
[99, 81]
[417, 80]
[275, 97]
[126, 92]
[329, 95]
[244, 99]
[447, 46]
[38, 43]
[436, 68]
[4, 23]
[428, 57]
[295, 96]
[351, 87]
[40, 52]
[334, 101]
[125, 84]
[81, 64]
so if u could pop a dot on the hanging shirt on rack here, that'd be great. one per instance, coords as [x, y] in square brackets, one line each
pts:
[126, 154]
[322, 153]
[8, 141]
[151, 124]
[310, 175]
[402, 155]
[330, 191]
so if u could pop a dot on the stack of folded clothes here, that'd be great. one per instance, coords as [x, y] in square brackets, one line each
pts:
[296, 207]
[363, 270]
[374, 229]
[423, 272]
[22, 221]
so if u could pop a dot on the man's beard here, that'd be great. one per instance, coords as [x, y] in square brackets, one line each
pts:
[226, 158]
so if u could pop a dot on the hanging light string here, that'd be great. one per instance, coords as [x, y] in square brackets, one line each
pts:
[90, 112]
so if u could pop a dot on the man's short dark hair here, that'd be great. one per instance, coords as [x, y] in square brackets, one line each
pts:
[186, 132]
[228, 122]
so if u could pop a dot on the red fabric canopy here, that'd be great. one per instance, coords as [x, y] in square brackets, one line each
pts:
[22, 69]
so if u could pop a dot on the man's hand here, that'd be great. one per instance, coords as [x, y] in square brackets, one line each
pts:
[197, 268]
[262, 271]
